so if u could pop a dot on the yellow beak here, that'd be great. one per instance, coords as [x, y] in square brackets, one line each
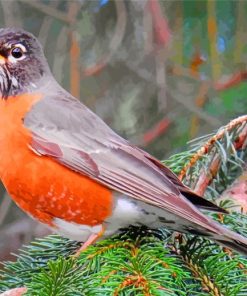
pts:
[2, 60]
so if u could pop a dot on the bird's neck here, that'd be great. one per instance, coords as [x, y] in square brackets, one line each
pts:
[16, 87]
[13, 134]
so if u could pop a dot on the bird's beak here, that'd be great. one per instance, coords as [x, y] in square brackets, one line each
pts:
[2, 60]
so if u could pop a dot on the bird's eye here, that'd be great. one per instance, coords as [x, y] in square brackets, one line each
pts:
[18, 51]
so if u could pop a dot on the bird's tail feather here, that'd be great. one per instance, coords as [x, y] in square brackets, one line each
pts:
[232, 240]
[221, 235]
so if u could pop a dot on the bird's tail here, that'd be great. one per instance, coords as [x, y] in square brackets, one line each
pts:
[220, 234]
[230, 239]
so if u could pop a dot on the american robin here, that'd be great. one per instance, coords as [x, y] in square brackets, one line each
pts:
[66, 168]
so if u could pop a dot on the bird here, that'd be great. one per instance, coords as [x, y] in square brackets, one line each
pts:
[66, 168]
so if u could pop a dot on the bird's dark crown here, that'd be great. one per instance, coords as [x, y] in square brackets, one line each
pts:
[10, 36]
[22, 63]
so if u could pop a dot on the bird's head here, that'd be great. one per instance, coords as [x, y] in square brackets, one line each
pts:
[22, 62]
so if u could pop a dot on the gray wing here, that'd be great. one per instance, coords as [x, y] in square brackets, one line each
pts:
[64, 129]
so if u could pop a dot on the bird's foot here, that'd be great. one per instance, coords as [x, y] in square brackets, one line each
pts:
[92, 239]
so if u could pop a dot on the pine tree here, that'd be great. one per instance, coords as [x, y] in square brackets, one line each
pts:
[150, 262]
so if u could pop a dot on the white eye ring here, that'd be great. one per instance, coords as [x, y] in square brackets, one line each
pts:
[17, 53]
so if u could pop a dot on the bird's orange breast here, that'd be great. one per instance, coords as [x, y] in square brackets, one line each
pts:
[38, 184]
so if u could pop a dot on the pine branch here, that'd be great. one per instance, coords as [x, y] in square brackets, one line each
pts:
[208, 146]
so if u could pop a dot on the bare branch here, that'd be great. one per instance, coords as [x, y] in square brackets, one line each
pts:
[48, 10]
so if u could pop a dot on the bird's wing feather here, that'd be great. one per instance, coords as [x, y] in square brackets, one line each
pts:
[67, 131]
[186, 191]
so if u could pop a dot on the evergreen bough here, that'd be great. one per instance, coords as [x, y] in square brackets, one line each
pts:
[146, 262]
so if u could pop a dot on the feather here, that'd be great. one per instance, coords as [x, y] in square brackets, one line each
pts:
[64, 129]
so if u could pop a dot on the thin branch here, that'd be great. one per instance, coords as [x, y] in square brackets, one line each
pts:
[161, 38]
[61, 54]
[48, 10]
[178, 34]
[240, 32]
[233, 80]
[207, 147]
[146, 75]
[212, 35]
[147, 31]
[200, 100]
[207, 175]
[179, 70]
[220, 85]
[162, 32]
[11, 13]
[213, 121]
[161, 79]
[74, 51]
[114, 43]
[47, 22]
[156, 131]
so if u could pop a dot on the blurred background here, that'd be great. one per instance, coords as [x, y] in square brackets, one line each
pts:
[158, 72]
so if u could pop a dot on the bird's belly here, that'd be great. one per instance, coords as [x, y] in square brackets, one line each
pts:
[47, 190]
[75, 231]
[132, 212]
[126, 212]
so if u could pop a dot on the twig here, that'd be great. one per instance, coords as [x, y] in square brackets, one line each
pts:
[74, 51]
[114, 43]
[47, 22]
[61, 54]
[179, 70]
[178, 39]
[11, 13]
[233, 80]
[156, 131]
[162, 33]
[207, 175]
[196, 62]
[48, 10]
[198, 111]
[147, 76]
[207, 147]
[240, 32]
[147, 31]
[161, 79]
[199, 102]
[103, 249]
[212, 35]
